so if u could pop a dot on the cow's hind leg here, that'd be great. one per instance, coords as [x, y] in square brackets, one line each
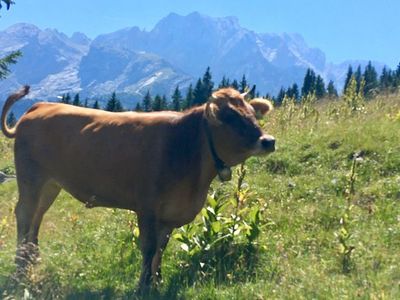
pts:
[35, 197]
[29, 193]
[48, 194]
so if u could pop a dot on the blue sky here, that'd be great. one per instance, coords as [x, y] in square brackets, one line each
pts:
[343, 29]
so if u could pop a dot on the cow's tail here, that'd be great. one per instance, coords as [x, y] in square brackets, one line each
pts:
[10, 132]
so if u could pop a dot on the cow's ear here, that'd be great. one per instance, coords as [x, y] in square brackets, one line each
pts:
[211, 113]
[261, 106]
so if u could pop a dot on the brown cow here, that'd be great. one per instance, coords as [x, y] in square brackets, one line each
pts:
[158, 164]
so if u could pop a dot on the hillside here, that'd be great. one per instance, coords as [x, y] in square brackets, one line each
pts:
[323, 232]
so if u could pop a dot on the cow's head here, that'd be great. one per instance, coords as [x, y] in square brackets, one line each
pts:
[234, 127]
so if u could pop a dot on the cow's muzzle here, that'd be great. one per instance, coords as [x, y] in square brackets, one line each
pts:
[267, 143]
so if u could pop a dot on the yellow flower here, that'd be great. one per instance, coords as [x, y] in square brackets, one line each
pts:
[397, 117]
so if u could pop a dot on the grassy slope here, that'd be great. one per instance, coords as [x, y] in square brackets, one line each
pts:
[88, 253]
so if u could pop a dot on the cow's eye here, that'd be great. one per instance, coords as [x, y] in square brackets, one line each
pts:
[238, 122]
[232, 118]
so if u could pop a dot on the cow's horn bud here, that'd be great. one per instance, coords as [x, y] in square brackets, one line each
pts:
[245, 94]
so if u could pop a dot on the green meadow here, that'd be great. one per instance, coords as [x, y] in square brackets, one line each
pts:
[317, 219]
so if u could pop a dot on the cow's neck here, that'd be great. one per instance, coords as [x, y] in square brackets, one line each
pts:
[201, 141]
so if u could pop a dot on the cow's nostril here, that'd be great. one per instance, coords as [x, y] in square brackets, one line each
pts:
[268, 143]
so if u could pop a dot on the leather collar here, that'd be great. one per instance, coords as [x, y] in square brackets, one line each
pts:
[224, 172]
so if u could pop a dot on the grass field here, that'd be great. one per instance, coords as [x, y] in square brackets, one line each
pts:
[324, 210]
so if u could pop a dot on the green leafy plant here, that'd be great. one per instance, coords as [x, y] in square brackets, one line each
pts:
[353, 97]
[287, 113]
[308, 108]
[4, 224]
[344, 233]
[223, 245]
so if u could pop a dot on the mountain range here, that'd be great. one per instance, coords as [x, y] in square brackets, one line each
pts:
[176, 51]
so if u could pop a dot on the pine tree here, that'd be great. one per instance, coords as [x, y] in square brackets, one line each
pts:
[96, 105]
[397, 72]
[157, 103]
[358, 77]
[189, 98]
[11, 120]
[147, 102]
[8, 3]
[203, 89]
[309, 83]
[394, 83]
[385, 80]
[177, 100]
[164, 103]
[289, 92]
[198, 93]
[11, 58]
[66, 98]
[252, 92]
[114, 104]
[371, 81]
[396, 79]
[77, 101]
[235, 84]
[224, 83]
[243, 85]
[138, 107]
[281, 95]
[348, 77]
[320, 90]
[331, 90]
[295, 91]
[208, 85]
[86, 103]
[6, 61]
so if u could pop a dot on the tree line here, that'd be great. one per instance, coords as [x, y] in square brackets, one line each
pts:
[370, 84]
[367, 80]
[364, 83]
[194, 96]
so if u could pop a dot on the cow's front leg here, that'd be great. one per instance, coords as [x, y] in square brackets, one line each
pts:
[163, 234]
[148, 245]
[154, 237]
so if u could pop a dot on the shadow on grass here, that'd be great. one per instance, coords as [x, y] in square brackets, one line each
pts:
[225, 265]
[48, 288]
[27, 286]
[105, 294]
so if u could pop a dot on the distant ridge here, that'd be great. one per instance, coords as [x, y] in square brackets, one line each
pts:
[175, 52]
